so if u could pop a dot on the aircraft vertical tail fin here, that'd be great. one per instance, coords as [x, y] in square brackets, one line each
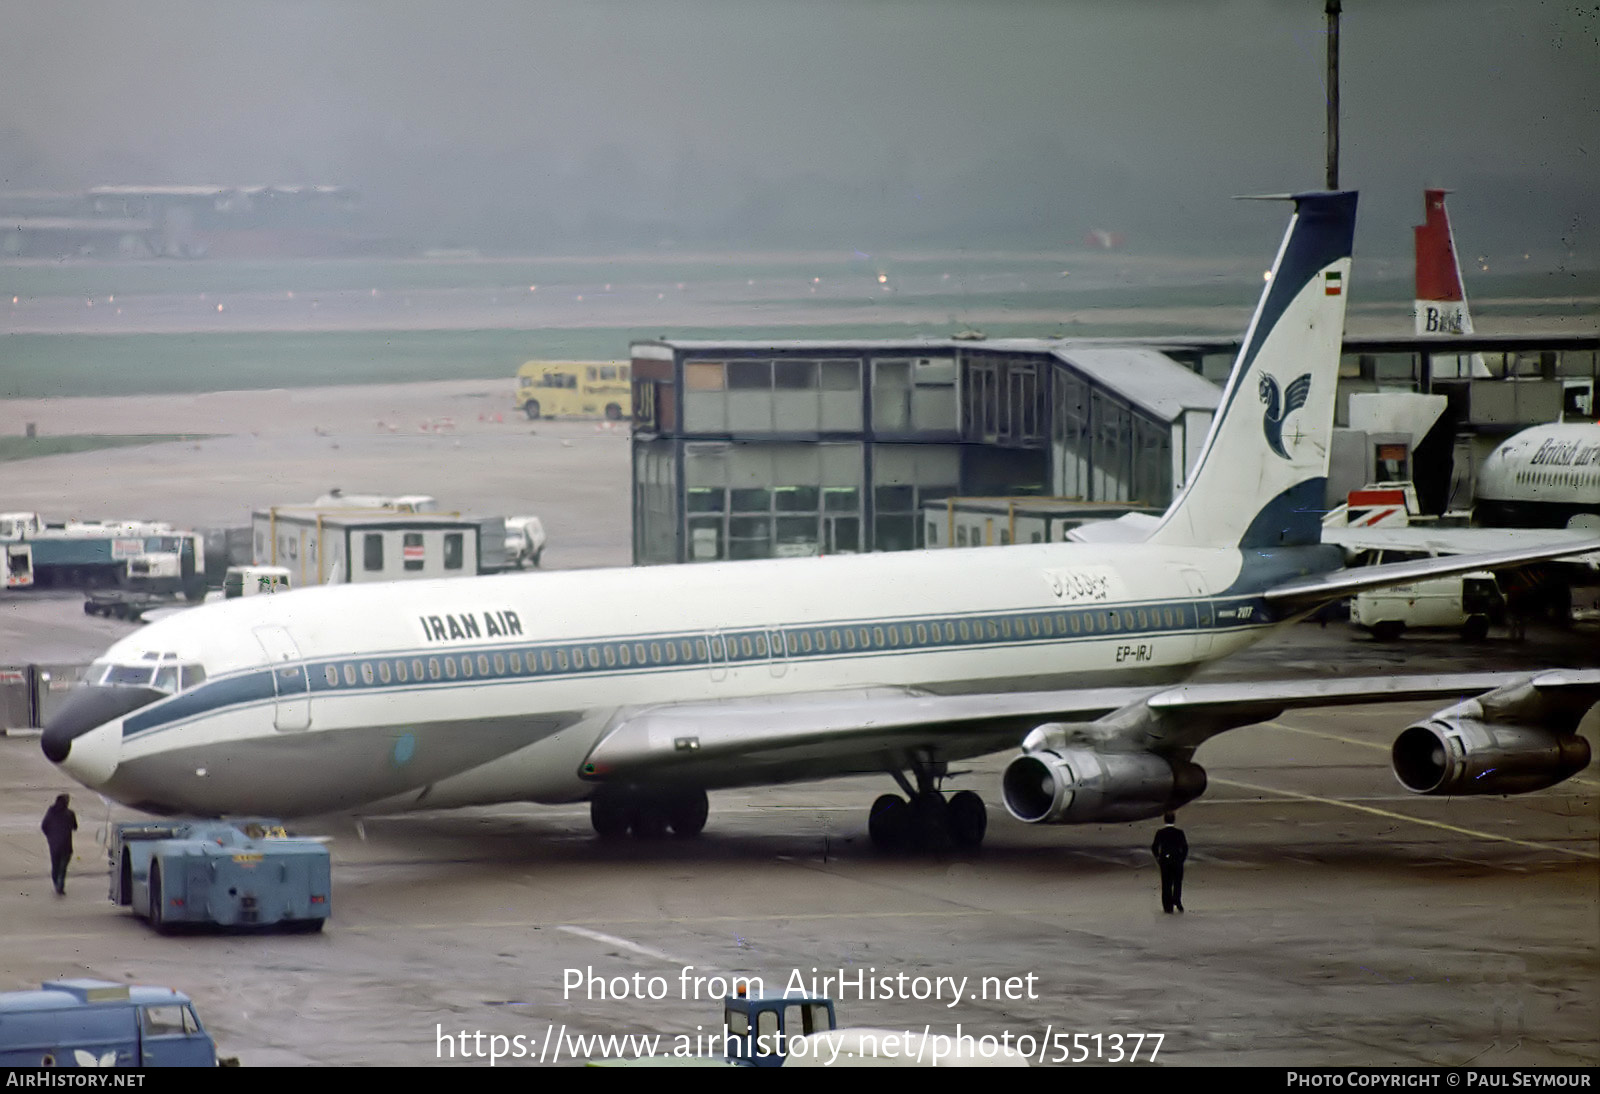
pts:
[1261, 476]
[1441, 300]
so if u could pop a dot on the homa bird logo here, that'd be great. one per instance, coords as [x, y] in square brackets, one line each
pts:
[88, 1059]
[1272, 421]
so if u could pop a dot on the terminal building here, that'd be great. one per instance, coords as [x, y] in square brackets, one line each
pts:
[787, 449]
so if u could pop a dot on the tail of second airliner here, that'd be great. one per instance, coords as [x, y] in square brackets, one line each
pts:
[1441, 300]
[1260, 479]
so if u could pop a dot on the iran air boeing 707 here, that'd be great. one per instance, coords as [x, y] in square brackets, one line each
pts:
[639, 690]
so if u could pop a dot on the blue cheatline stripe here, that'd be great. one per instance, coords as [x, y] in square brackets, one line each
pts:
[429, 667]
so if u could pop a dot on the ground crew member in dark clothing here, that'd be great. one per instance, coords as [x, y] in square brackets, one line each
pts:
[1170, 849]
[58, 825]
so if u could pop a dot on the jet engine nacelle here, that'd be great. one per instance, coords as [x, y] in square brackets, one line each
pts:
[1085, 786]
[1466, 755]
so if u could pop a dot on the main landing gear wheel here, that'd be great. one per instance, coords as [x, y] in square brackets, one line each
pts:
[925, 819]
[890, 823]
[686, 813]
[608, 812]
[969, 820]
[648, 814]
[932, 824]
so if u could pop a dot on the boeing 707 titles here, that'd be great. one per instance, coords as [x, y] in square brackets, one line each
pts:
[639, 690]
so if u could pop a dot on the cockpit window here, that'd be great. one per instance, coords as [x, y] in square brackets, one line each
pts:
[167, 679]
[168, 675]
[129, 675]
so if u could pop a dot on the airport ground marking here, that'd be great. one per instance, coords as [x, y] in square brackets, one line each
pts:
[622, 943]
[771, 917]
[1391, 815]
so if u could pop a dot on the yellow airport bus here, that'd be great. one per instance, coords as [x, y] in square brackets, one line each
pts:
[574, 389]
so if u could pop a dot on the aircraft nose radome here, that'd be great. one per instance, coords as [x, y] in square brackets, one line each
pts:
[86, 710]
[93, 756]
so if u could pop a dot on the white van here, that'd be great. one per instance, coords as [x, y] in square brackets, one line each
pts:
[1467, 601]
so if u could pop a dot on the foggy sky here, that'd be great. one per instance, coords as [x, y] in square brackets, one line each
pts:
[531, 124]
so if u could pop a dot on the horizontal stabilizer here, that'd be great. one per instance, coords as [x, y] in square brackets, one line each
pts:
[1307, 593]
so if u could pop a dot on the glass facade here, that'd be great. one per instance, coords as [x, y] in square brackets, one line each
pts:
[787, 395]
[829, 450]
[1105, 449]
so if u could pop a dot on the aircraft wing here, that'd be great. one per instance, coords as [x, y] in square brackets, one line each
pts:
[1457, 541]
[1309, 592]
[821, 734]
[757, 740]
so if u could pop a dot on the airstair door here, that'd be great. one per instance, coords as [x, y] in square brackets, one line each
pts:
[290, 685]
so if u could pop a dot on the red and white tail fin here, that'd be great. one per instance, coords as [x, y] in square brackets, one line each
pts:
[1441, 302]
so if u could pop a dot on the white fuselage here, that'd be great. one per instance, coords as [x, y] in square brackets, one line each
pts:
[1542, 477]
[454, 692]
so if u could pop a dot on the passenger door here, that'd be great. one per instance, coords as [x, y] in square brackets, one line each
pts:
[289, 684]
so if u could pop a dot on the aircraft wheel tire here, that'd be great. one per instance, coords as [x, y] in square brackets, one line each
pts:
[931, 818]
[969, 820]
[650, 820]
[157, 901]
[890, 823]
[686, 813]
[608, 813]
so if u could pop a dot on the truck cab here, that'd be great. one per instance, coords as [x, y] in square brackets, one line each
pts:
[756, 1029]
[98, 1023]
[20, 525]
[254, 581]
[16, 565]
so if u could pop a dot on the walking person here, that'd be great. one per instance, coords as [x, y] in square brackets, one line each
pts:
[1170, 849]
[58, 825]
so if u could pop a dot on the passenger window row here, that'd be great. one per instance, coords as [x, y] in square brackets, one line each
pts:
[755, 646]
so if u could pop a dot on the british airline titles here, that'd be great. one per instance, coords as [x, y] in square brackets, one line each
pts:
[1556, 453]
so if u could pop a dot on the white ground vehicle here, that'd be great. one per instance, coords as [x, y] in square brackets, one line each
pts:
[524, 541]
[254, 580]
[1470, 602]
[16, 565]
